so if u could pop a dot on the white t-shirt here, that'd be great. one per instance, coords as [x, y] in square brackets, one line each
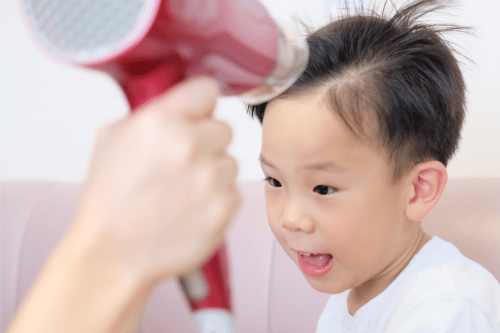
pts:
[440, 291]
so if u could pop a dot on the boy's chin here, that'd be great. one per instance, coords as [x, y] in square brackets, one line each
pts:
[324, 285]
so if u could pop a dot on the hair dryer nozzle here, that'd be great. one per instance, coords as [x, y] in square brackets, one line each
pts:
[293, 55]
[88, 31]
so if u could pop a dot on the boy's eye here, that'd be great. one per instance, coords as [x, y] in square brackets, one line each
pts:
[273, 182]
[323, 189]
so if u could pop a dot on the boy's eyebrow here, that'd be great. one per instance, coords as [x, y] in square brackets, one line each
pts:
[323, 166]
[326, 166]
[266, 162]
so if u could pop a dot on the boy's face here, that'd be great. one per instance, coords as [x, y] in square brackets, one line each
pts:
[331, 195]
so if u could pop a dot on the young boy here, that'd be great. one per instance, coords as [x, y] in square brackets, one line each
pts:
[355, 156]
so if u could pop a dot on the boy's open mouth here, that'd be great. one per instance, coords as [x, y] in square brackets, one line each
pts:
[315, 264]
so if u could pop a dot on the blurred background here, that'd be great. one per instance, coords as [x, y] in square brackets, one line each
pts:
[50, 113]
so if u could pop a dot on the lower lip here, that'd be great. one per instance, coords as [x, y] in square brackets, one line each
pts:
[313, 270]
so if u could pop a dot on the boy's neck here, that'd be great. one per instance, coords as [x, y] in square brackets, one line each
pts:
[362, 294]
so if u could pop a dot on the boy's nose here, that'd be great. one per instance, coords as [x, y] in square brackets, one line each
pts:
[295, 219]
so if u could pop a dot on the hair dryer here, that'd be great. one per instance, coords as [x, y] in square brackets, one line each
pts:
[147, 46]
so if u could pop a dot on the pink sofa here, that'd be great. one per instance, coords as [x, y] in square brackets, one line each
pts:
[269, 292]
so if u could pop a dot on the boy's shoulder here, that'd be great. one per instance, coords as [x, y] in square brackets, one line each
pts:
[447, 289]
[438, 290]
[441, 268]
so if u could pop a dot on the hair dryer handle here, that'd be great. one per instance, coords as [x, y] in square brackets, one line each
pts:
[208, 293]
[206, 289]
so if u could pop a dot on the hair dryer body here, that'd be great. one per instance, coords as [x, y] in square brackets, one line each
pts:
[236, 46]
[150, 45]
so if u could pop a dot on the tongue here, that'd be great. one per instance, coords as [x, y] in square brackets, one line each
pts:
[317, 259]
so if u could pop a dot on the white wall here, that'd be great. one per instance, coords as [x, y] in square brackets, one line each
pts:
[50, 113]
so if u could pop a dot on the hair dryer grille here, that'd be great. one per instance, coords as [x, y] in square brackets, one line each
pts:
[88, 31]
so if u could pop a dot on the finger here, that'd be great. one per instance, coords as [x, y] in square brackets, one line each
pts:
[229, 169]
[222, 210]
[210, 177]
[224, 174]
[215, 175]
[191, 99]
[234, 201]
[211, 137]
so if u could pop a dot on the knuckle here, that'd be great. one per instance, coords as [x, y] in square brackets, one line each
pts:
[234, 202]
[108, 130]
[236, 198]
[219, 209]
[212, 88]
[233, 167]
[219, 212]
[228, 169]
[103, 133]
[227, 204]
[218, 133]
[225, 134]
[105, 136]
[226, 130]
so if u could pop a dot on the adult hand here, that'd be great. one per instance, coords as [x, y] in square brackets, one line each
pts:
[160, 190]
[158, 197]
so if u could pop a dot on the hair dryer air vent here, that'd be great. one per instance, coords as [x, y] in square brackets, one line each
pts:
[83, 31]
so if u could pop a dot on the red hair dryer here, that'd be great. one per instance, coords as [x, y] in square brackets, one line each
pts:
[150, 45]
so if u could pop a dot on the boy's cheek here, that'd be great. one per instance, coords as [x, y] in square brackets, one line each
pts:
[272, 215]
[275, 225]
[273, 207]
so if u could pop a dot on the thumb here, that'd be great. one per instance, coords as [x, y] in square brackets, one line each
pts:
[192, 99]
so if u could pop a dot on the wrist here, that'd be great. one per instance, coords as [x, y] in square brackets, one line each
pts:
[95, 262]
[111, 253]
[77, 286]
[100, 287]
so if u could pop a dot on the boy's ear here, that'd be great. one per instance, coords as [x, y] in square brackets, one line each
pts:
[428, 180]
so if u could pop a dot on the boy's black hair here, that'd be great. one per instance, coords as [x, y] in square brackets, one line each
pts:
[396, 70]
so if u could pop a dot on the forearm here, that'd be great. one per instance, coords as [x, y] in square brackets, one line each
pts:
[78, 292]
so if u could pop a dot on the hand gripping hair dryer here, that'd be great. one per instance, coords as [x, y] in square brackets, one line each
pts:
[150, 45]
